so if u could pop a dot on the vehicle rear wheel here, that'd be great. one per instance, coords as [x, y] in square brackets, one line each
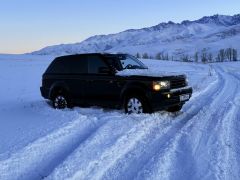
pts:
[60, 101]
[136, 105]
[174, 108]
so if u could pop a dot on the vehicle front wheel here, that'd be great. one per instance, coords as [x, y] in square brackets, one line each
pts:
[136, 105]
[60, 101]
[174, 108]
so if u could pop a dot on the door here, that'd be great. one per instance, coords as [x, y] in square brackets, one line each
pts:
[75, 76]
[102, 87]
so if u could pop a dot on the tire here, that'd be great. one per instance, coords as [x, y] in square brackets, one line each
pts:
[136, 105]
[60, 101]
[176, 108]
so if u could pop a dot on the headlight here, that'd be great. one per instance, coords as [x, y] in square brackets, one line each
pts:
[158, 85]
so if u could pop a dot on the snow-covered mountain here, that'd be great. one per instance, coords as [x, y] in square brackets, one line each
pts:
[211, 33]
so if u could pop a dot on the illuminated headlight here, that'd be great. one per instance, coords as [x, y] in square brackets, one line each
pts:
[158, 85]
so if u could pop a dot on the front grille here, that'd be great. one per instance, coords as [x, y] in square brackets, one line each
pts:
[178, 83]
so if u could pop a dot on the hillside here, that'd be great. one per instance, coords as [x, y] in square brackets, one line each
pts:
[187, 39]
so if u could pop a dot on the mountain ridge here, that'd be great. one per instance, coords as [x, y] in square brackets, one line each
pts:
[176, 39]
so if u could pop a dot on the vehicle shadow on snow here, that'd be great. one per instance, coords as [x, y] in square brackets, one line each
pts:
[90, 110]
[44, 109]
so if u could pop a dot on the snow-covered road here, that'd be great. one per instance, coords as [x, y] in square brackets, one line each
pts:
[201, 142]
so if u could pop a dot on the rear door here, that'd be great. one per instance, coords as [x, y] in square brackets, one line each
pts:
[76, 76]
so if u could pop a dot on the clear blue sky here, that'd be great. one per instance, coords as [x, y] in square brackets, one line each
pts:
[28, 25]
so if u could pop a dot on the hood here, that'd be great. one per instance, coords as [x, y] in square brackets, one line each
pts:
[147, 73]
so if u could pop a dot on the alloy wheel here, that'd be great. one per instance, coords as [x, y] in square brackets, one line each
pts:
[134, 106]
[60, 102]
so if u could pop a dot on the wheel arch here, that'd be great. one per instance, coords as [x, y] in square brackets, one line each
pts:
[136, 88]
[58, 87]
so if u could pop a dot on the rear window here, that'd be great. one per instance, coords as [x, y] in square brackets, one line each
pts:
[68, 65]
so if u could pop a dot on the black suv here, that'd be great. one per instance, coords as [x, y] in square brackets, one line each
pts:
[100, 80]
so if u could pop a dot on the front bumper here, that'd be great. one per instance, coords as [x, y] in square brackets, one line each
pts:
[164, 100]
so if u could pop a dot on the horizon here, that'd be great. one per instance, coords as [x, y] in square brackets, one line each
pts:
[28, 28]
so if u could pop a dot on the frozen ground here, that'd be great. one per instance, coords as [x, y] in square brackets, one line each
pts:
[201, 142]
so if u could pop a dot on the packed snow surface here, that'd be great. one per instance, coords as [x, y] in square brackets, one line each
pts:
[200, 142]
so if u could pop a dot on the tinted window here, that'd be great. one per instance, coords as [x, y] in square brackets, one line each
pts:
[68, 65]
[113, 62]
[94, 63]
[77, 65]
[56, 66]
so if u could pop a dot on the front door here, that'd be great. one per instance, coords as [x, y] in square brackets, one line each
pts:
[102, 88]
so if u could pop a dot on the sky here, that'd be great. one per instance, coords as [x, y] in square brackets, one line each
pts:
[28, 25]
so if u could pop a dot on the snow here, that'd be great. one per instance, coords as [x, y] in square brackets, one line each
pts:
[145, 72]
[200, 142]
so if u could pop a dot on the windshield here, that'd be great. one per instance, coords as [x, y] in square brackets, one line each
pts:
[131, 62]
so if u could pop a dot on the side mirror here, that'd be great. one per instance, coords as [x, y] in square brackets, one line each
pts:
[104, 70]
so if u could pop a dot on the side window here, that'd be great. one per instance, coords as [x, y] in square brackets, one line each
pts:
[114, 63]
[69, 65]
[77, 65]
[94, 63]
[56, 67]
[50, 67]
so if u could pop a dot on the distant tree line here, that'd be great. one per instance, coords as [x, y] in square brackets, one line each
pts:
[159, 56]
[228, 54]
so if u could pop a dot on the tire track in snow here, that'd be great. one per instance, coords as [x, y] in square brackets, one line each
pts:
[105, 157]
[227, 165]
[210, 142]
[61, 167]
[179, 152]
[147, 136]
[148, 147]
[37, 159]
[110, 156]
[228, 157]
